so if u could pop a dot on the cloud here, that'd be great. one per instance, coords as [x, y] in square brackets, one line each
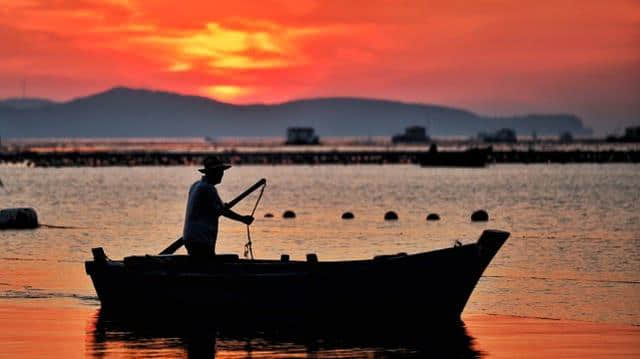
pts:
[240, 44]
[538, 55]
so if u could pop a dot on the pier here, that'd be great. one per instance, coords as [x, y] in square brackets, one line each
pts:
[307, 157]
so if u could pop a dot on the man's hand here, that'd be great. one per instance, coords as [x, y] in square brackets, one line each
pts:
[236, 216]
[247, 220]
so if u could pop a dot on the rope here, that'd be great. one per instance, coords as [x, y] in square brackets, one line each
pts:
[248, 249]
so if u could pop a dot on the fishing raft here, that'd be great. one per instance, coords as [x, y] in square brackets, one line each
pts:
[430, 287]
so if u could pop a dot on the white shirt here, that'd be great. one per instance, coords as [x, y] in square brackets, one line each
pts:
[203, 209]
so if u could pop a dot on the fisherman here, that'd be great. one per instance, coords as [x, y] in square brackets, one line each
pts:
[203, 209]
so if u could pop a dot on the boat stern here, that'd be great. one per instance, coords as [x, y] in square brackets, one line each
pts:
[108, 276]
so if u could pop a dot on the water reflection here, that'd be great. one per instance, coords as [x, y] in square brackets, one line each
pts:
[162, 336]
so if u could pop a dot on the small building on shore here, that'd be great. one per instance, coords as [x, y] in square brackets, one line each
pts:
[301, 136]
[631, 134]
[412, 134]
[504, 135]
[565, 137]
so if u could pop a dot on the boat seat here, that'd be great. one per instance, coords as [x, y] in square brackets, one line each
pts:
[157, 261]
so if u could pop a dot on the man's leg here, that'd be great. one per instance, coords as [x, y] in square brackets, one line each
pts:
[201, 250]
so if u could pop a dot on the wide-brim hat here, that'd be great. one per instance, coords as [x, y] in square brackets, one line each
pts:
[213, 164]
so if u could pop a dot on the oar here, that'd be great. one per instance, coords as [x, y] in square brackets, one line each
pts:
[180, 241]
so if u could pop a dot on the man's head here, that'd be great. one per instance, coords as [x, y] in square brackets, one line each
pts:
[214, 169]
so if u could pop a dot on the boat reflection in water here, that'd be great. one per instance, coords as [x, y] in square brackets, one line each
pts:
[112, 334]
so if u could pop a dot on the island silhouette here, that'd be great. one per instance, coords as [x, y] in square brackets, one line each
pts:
[126, 112]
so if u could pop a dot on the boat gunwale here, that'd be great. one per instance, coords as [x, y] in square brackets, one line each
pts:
[386, 258]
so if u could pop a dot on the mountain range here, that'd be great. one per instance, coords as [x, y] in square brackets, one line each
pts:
[126, 112]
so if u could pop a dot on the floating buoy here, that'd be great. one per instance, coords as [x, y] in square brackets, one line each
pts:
[347, 215]
[480, 216]
[289, 214]
[390, 216]
[268, 215]
[433, 217]
[18, 218]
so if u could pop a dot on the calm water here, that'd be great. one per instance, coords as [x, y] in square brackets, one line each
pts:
[574, 253]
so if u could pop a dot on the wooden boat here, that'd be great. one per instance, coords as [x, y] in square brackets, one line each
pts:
[430, 286]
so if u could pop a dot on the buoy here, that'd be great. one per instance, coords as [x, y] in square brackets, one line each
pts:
[480, 216]
[433, 217]
[347, 215]
[390, 216]
[18, 218]
[289, 214]
[268, 215]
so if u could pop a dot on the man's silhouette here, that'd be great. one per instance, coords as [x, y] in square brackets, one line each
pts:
[203, 209]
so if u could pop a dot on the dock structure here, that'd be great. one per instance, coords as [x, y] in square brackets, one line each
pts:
[304, 157]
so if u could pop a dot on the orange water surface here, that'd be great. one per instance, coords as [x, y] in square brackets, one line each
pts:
[66, 330]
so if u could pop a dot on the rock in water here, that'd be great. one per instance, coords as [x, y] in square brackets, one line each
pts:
[347, 215]
[289, 214]
[433, 217]
[390, 216]
[480, 216]
[18, 218]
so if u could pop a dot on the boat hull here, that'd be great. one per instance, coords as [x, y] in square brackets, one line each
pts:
[430, 286]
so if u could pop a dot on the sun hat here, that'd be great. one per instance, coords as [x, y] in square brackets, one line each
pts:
[213, 163]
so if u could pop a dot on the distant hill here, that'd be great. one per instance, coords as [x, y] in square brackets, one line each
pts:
[25, 103]
[125, 112]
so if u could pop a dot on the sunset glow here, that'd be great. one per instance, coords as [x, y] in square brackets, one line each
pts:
[494, 57]
[226, 92]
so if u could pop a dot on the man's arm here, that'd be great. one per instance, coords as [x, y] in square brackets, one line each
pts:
[227, 212]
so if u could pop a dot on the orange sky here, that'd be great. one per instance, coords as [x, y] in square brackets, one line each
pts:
[493, 57]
